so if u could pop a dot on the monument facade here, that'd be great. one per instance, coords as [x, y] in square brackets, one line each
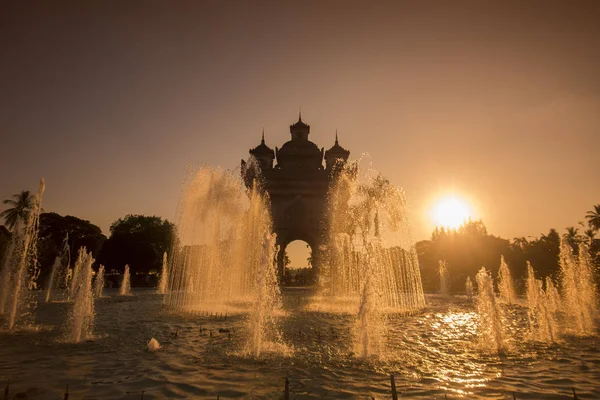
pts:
[297, 183]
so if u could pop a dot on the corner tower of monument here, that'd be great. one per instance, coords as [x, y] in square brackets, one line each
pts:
[297, 186]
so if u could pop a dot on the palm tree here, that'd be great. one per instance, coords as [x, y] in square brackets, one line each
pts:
[572, 237]
[520, 242]
[590, 234]
[21, 205]
[593, 217]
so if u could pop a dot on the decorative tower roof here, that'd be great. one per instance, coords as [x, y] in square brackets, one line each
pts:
[299, 153]
[300, 130]
[337, 151]
[336, 156]
[262, 149]
[299, 124]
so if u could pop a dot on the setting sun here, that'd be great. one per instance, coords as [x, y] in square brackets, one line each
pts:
[450, 212]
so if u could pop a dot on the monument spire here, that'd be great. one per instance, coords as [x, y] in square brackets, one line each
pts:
[336, 136]
[263, 136]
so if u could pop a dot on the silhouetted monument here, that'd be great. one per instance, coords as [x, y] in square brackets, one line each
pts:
[297, 184]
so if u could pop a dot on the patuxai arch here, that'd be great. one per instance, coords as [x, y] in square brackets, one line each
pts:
[297, 183]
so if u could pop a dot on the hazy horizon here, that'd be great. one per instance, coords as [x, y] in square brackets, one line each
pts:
[497, 103]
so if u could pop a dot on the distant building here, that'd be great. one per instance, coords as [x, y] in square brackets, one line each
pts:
[297, 184]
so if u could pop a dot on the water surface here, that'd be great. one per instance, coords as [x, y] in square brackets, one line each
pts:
[431, 354]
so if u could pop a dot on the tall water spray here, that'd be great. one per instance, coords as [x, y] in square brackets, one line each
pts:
[542, 320]
[56, 266]
[58, 272]
[261, 321]
[81, 317]
[553, 297]
[491, 330]
[164, 276]
[578, 288]
[443, 272]
[226, 262]
[370, 327]
[73, 275]
[20, 270]
[505, 283]
[369, 237]
[469, 288]
[99, 282]
[125, 289]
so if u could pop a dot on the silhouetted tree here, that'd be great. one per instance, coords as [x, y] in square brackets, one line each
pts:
[139, 241]
[590, 235]
[593, 217]
[572, 237]
[21, 204]
[53, 229]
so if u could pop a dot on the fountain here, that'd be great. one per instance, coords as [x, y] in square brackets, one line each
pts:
[164, 276]
[226, 262]
[369, 242]
[469, 288]
[125, 289]
[81, 317]
[57, 272]
[20, 270]
[578, 288]
[371, 266]
[99, 282]
[55, 268]
[505, 283]
[553, 297]
[542, 321]
[73, 276]
[491, 330]
[443, 271]
[370, 327]
[261, 321]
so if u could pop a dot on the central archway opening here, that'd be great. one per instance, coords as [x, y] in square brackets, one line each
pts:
[298, 270]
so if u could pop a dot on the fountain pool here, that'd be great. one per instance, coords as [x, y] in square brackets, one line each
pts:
[432, 353]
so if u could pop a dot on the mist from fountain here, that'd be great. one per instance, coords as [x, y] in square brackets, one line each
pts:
[491, 325]
[578, 288]
[164, 276]
[225, 262]
[443, 272]
[99, 282]
[368, 236]
[20, 271]
[81, 317]
[505, 283]
[125, 289]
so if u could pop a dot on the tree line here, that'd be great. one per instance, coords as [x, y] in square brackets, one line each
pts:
[471, 247]
[136, 240]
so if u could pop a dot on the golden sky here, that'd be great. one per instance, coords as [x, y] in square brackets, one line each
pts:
[494, 101]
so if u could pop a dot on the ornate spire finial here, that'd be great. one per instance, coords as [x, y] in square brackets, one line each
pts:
[336, 138]
[300, 114]
[263, 136]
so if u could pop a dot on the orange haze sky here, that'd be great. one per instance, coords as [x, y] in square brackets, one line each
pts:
[498, 102]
